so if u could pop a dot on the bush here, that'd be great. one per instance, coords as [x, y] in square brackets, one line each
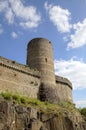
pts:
[23, 100]
[83, 111]
[42, 106]
[7, 95]
[16, 97]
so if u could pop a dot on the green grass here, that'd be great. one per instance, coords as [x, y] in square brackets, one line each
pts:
[68, 107]
[41, 106]
[31, 102]
[6, 95]
[15, 97]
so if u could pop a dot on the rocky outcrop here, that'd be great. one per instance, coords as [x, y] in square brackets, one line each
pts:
[18, 117]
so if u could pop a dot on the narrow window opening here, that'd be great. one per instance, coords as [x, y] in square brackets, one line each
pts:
[49, 41]
[45, 59]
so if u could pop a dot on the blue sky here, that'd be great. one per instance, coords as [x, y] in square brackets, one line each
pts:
[62, 22]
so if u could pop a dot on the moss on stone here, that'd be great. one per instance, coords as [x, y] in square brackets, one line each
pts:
[45, 107]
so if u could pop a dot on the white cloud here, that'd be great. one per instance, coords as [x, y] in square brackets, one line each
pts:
[28, 24]
[16, 11]
[6, 9]
[1, 29]
[3, 5]
[60, 17]
[78, 39]
[74, 70]
[14, 35]
[81, 103]
[9, 16]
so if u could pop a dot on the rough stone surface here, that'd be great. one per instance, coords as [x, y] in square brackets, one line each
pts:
[40, 56]
[15, 77]
[18, 82]
[48, 92]
[27, 79]
[16, 117]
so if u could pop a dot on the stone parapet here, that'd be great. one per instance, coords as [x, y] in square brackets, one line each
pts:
[19, 67]
[63, 80]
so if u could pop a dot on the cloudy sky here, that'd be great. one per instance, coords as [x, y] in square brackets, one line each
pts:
[62, 22]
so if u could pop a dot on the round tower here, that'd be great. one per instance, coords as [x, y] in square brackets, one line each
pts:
[40, 57]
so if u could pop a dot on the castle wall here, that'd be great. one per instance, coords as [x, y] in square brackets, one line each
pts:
[40, 56]
[17, 78]
[64, 89]
[37, 78]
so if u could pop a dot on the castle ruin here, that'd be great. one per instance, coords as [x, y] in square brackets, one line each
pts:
[37, 78]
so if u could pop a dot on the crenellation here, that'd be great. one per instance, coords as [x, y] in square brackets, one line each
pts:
[63, 80]
[18, 67]
[37, 78]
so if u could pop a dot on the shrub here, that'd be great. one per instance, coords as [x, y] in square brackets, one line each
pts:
[16, 97]
[23, 100]
[83, 111]
[7, 95]
[42, 106]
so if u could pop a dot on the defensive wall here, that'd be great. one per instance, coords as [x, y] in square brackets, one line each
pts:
[18, 78]
[64, 89]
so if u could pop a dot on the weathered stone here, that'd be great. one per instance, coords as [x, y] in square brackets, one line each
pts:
[36, 81]
[26, 79]
[48, 93]
[16, 117]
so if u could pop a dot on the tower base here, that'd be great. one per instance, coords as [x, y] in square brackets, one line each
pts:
[48, 93]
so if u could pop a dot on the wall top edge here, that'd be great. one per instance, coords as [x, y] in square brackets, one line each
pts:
[63, 80]
[18, 66]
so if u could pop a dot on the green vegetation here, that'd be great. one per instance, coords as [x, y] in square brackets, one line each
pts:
[16, 97]
[6, 95]
[82, 111]
[41, 106]
[30, 102]
[68, 107]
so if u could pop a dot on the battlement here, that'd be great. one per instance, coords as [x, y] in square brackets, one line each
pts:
[63, 80]
[19, 67]
[37, 78]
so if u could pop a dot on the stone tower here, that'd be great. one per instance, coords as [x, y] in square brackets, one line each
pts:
[40, 57]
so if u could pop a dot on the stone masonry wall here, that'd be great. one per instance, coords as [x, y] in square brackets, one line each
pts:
[16, 79]
[40, 56]
[64, 89]
[19, 78]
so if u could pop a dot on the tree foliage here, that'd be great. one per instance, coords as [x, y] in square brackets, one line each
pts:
[83, 111]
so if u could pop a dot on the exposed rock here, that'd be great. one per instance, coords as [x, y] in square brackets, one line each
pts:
[17, 117]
